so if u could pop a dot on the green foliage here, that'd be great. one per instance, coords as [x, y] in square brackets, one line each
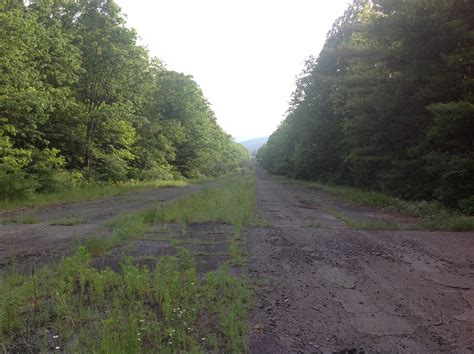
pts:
[78, 191]
[79, 95]
[76, 307]
[387, 105]
[16, 184]
[232, 201]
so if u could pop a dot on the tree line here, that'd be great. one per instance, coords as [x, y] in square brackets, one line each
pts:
[388, 104]
[81, 101]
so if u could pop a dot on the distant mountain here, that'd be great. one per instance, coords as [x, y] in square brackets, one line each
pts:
[254, 144]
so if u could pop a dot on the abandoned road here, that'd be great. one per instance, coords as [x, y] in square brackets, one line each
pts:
[323, 287]
[320, 286]
[42, 242]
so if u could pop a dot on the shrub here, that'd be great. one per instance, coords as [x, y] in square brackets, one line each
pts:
[112, 168]
[158, 172]
[16, 184]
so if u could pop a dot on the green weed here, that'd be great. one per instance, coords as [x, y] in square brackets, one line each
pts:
[451, 223]
[76, 308]
[365, 224]
[373, 224]
[232, 201]
[260, 221]
[89, 192]
[20, 219]
[434, 215]
[67, 221]
[306, 201]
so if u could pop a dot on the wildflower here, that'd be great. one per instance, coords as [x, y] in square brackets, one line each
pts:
[55, 337]
[203, 338]
[57, 348]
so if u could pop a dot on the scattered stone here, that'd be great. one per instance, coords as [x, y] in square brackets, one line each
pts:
[381, 324]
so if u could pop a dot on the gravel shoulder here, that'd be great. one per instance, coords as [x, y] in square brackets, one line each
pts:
[35, 244]
[322, 287]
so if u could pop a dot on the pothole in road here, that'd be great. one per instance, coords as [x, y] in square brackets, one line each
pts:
[338, 276]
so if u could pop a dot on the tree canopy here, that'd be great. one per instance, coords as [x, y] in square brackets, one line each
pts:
[80, 100]
[388, 104]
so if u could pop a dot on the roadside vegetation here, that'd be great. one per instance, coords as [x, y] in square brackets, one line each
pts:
[72, 307]
[388, 106]
[85, 110]
[88, 192]
[169, 308]
[231, 201]
[434, 215]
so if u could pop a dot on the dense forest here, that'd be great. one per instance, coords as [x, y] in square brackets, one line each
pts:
[81, 101]
[388, 104]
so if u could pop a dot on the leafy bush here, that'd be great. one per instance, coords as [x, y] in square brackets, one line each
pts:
[47, 166]
[111, 168]
[467, 205]
[158, 172]
[16, 184]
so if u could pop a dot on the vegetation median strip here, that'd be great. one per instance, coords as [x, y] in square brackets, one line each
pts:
[167, 308]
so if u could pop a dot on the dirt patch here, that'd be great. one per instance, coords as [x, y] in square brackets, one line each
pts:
[39, 243]
[333, 289]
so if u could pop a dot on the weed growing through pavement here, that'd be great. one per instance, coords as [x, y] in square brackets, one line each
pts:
[232, 202]
[20, 219]
[67, 221]
[74, 307]
[365, 224]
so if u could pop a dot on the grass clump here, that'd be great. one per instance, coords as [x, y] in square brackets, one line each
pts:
[20, 219]
[86, 192]
[67, 221]
[73, 307]
[365, 224]
[434, 215]
[232, 201]
[373, 224]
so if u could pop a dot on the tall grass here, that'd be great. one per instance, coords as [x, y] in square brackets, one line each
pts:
[73, 307]
[88, 192]
[232, 201]
[76, 308]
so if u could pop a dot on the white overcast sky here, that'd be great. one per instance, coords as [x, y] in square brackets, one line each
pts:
[245, 54]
